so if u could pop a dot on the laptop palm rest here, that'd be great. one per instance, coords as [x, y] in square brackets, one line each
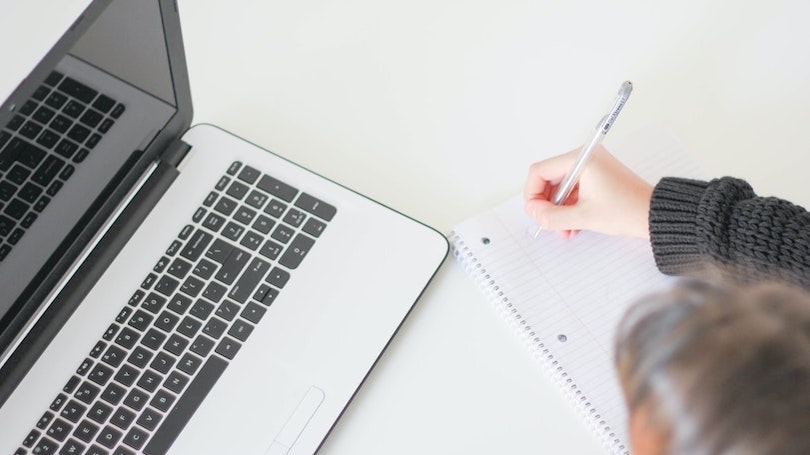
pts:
[298, 420]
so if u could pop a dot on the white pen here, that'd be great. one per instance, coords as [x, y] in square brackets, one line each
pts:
[602, 128]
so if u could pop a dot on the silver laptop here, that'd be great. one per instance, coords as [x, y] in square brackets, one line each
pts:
[176, 290]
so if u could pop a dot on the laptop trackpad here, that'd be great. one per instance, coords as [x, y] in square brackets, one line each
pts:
[297, 422]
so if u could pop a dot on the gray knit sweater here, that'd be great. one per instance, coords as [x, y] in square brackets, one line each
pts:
[723, 223]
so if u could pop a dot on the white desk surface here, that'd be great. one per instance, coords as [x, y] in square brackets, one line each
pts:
[437, 107]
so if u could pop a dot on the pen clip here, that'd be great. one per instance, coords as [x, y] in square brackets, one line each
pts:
[624, 93]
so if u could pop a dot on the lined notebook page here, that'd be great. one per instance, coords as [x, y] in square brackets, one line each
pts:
[566, 297]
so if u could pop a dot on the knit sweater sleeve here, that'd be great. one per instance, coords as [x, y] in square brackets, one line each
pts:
[723, 222]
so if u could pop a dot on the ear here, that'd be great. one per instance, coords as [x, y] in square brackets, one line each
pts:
[646, 435]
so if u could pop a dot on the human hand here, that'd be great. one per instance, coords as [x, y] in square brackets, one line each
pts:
[610, 198]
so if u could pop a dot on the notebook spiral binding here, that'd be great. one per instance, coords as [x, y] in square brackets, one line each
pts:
[475, 269]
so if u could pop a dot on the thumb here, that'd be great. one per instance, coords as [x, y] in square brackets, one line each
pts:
[556, 217]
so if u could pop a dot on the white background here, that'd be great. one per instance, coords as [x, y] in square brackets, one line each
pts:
[437, 108]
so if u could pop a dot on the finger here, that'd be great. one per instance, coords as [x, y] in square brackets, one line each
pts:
[554, 217]
[545, 173]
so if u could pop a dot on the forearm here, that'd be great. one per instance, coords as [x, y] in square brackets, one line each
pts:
[723, 222]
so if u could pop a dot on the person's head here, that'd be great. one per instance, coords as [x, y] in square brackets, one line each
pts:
[710, 369]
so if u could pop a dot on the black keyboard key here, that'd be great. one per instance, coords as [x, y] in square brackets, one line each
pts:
[179, 304]
[66, 148]
[30, 130]
[78, 133]
[245, 286]
[249, 175]
[32, 437]
[271, 250]
[123, 315]
[277, 188]
[154, 302]
[104, 103]
[233, 265]
[15, 123]
[205, 269]
[233, 231]
[73, 109]
[149, 419]
[15, 236]
[252, 240]
[18, 174]
[240, 330]
[109, 437]
[278, 277]
[57, 402]
[227, 310]
[294, 217]
[176, 344]
[201, 309]
[214, 292]
[7, 190]
[45, 447]
[192, 286]
[44, 115]
[77, 90]
[136, 438]
[316, 207]
[244, 215]
[87, 392]
[163, 362]
[86, 431]
[6, 225]
[275, 208]
[10, 153]
[253, 312]
[214, 222]
[105, 125]
[153, 338]
[166, 321]
[176, 382]
[176, 420]
[61, 123]
[40, 205]
[163, 400]
[179, 268]
[48, 170]
[140, 357]
[215, 328]
[40, 93]
[220, 251]
[56, 100]
[16, 209]
[101, 374]
[225, 206]
[256, 199]
[4, 137]
[228, 347]
[81, 156]
[296, 252]
[237, 190]
[189, 327]
[73, 411]
[29, 219]
[140, 320]
[91, 118]
[202, 345]
[196, 245]
[117, 111]
[113, 394]
[31, 155]
[314, 227]
[114, 356]
[100, 412]
[127, 375]
[234, 167]
[127, 338]
[59, 430]
[263, 224]
[71, 385]
[123, 418]
[93, 141]
[189, 364]
[96, 450]
[136, 399]
[84, 367]
[283, 233]
[54, 78]
[109, 334]
[48, 139]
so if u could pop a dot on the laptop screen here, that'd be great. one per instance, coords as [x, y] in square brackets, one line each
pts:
[91, 116]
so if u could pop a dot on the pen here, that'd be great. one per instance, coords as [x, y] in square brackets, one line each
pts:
[602, 128]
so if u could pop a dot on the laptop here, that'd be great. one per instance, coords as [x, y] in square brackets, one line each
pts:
[169, 289]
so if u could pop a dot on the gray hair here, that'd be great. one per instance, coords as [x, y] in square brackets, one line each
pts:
[721, 370]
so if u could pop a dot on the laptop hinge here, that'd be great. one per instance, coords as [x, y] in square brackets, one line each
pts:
[175, 152]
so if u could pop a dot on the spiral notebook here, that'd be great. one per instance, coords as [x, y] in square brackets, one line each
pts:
[566, 297]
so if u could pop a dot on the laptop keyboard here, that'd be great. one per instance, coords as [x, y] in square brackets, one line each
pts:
[51, 132]
[154, 365]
